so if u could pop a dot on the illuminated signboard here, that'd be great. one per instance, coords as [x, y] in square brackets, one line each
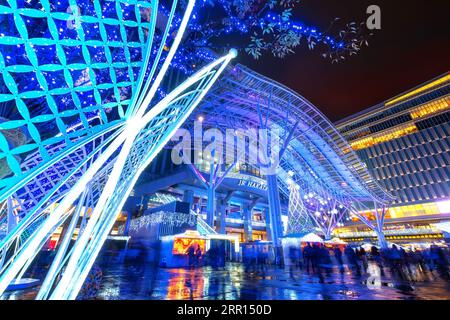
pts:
[181, 245]
[252, 184]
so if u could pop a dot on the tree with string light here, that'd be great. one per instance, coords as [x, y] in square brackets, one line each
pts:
[259, 27]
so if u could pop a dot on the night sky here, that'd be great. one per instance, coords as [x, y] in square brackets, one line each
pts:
[412, 47]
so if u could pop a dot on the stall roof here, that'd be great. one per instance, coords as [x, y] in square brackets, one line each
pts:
[193, 234]
[336, 241]
[306, 237]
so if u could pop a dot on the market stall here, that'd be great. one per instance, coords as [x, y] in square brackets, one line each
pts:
[182, 250]
[336, 243]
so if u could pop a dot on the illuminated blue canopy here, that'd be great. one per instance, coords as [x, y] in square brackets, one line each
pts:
[317, 157]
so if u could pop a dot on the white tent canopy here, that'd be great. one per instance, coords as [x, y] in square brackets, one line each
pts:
[368, 246]
[311, 237]
[336, 241]
[443, 226]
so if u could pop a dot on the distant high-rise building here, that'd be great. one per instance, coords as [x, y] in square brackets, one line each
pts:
[405, 143]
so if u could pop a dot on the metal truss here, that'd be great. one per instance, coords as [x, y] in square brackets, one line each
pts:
[314, 155]
[94, 166]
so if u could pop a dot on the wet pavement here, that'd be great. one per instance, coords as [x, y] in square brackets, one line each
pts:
[142, 281]
[234, 283]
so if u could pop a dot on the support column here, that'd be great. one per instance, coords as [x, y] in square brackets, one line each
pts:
[126, 229]
[376, 227]
[144, 202]
[164, 153]
[268, 224]
[221, 222]
[380, 215]
[382, 242]
[276, 225]
[188, 196]
[211, 206]
[198, 206]
[247, 213]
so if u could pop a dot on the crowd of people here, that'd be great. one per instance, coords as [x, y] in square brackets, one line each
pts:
[256, 258]
[195, 256]
[214, 257]
[319, 259]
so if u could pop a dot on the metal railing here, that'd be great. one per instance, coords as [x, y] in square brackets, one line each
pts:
[202, 226]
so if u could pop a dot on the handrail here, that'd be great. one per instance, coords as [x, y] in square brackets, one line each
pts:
[203, 225]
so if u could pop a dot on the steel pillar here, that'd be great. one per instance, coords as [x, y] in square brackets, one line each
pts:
[144, 203]
[188, 196]
[382, 242]
[126, 229]
[268, 224]
[211, 206]
[276, 227]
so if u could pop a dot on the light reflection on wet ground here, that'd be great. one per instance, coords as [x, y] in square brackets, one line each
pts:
[233, 283]
[142, 281]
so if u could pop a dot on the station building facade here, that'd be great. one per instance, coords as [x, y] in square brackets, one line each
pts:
[241, 198]
[405, 143]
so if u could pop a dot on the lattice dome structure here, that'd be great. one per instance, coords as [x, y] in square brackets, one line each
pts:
[72, 68]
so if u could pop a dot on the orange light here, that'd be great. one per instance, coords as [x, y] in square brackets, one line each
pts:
[430, 108]
[384, 137]
[420, 90]
[178, 287]
[181, 245]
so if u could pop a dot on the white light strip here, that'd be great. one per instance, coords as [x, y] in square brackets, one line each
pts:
[68, 289]
[134, 125]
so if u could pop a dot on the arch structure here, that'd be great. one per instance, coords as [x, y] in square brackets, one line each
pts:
[106, 130]
[312, 158]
